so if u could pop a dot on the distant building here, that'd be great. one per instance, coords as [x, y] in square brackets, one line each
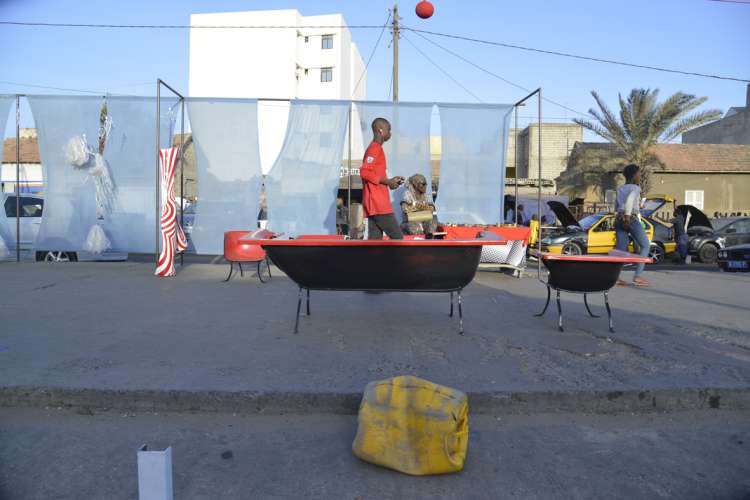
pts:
[712, 177]
[558, 140]
[32, 176]
[30, 166]
[733, 128]
[303, 63]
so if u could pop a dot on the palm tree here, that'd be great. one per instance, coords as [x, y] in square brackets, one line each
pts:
[644, 122]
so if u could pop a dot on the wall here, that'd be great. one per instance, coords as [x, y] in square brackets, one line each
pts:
[510, 153]
[30, 175]
[271, 63]
[243, 62]
[722, 192]
[734, 129]
[558, 140]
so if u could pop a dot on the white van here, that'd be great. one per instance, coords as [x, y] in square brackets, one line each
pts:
[31, 209]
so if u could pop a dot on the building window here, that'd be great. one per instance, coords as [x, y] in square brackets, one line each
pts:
[326, 42]
[694, 198]
[307, 39]
[307, 70]
[326, 74]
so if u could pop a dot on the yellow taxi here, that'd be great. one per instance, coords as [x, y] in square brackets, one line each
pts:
[596, 233]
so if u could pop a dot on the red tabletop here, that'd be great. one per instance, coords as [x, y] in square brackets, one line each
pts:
[311, 242]
[507, 232]
[624, 258]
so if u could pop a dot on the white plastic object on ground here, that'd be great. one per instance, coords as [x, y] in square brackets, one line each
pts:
[96, 241]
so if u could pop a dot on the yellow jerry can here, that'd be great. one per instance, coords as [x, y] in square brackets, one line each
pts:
[413, 426]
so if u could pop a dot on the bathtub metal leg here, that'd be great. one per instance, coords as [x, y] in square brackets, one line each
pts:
[609, 312]
[460, 315]
[559, 313]
[546, 304]
[450, 315]
[586, 302]
[231, 270]
[308, 302]
[242, 273]
[299, 306]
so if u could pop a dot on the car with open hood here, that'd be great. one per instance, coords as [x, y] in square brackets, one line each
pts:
[596, 233]
[707, 239]
[735, 258]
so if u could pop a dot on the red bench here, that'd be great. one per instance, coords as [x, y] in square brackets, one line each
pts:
[239, 247]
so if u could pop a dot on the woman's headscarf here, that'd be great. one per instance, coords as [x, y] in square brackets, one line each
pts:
[412, 187]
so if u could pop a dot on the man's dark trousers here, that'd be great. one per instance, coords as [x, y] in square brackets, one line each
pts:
[386, 223]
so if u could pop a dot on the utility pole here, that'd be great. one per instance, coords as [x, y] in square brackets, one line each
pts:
[395, 52]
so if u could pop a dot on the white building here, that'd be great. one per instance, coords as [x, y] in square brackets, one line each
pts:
[313, 59]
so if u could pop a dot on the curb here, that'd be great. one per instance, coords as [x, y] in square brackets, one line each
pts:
[256, 402]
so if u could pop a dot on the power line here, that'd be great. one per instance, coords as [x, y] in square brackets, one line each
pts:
[84, 91]
[575, 56]
[372, 54]
[472, 63]
[441, 69]
[731, 1]
[30, 85]
[446, 35]
[173, 26]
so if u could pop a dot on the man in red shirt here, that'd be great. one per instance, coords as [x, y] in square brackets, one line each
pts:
[375, 183]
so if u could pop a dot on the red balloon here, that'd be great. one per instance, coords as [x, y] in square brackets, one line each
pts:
[425, 9]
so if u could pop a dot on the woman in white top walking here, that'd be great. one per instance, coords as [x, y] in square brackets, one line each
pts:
[628, 220]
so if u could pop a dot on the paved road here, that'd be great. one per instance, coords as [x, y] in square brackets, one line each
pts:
[115, 326]
[693, 455]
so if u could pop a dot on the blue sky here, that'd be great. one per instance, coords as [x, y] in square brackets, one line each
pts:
[693, 35]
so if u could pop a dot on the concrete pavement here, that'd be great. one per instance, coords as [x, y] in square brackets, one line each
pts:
[112, 335]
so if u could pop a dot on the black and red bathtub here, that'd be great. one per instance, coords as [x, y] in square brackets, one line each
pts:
[378, 265]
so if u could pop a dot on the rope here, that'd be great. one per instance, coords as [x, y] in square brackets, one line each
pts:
[472, 63]
[575, 56]
[385, 25]
[441, 69]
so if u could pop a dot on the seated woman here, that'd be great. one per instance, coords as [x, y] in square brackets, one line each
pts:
[417, 208]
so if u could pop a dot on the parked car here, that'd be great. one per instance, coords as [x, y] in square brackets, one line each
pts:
[596, 233]
[706, 239]
[187, 218]
[31, 210]
[735, 258]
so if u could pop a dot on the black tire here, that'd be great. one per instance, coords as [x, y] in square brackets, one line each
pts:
[708, 253]
[656, 252]
[56, 256]
[572, 248]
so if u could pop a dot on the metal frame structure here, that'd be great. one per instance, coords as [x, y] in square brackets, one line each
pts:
[585, 303]
[17, 188]
[261, 262]
[18, 177]
[538, 93]
[157, 243]
[457, 291]
[157, 194]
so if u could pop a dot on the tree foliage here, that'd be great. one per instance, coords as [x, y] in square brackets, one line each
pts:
[643, 122]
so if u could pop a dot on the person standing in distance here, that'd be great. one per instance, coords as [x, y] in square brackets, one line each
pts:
[375, 184]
